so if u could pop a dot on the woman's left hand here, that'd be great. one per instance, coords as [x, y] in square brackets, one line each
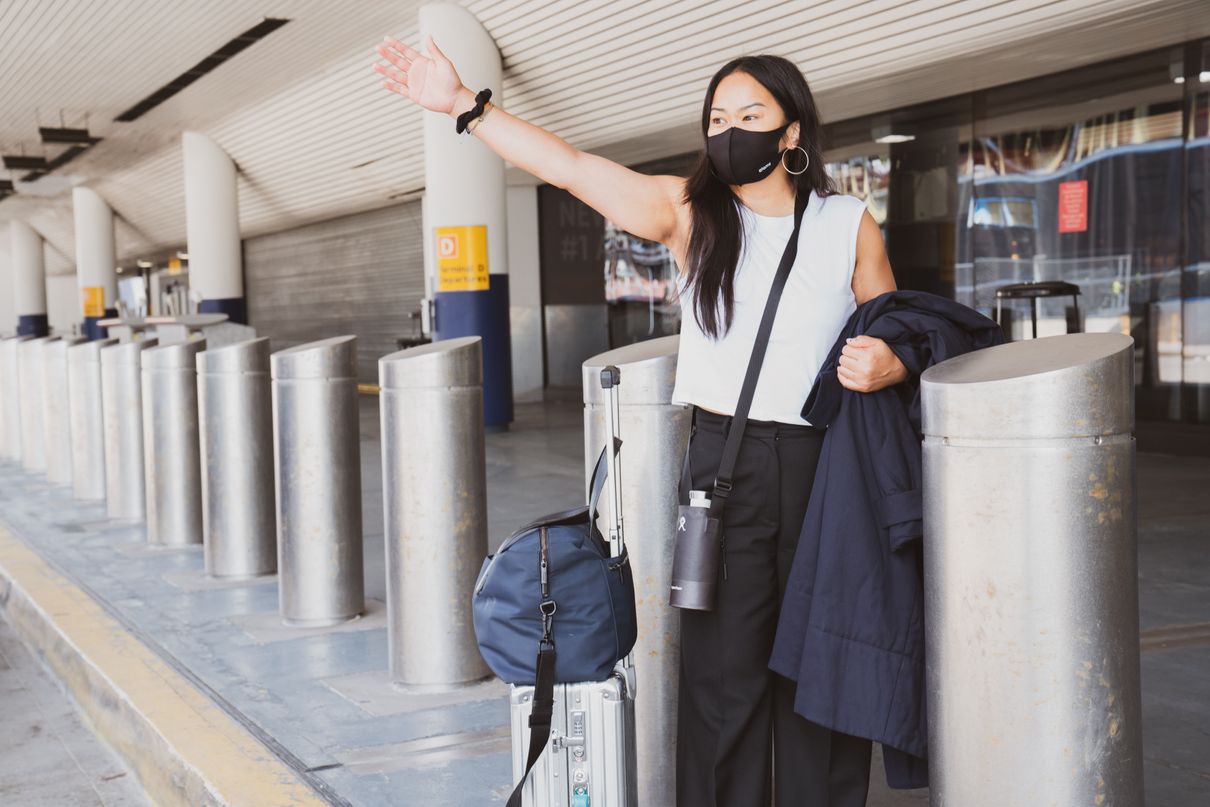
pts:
[867, 364]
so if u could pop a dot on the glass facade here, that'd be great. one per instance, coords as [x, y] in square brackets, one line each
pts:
[640, 275]
[1097, 176]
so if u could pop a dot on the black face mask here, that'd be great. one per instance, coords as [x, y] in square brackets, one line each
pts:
[740, 156]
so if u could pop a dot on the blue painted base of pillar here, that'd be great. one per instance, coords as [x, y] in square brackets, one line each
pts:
[234, 307]
[33, 325]
[484, 314]
[91, 330]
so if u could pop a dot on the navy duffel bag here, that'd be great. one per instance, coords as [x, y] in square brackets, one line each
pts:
[552, 583]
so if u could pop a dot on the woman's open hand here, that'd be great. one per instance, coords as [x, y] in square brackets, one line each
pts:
[867, 364]
[430, 81]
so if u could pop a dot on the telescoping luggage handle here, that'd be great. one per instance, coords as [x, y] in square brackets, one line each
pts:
[542, 711]
[610, 378]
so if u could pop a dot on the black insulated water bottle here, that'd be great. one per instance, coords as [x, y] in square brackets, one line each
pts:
[695, 557]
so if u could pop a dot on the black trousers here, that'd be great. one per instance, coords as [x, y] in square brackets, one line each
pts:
[738, 737]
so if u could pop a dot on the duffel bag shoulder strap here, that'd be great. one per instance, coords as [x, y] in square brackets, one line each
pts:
[542, 712]
[540, 718]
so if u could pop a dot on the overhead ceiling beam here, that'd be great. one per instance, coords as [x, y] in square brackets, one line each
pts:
[248, 38]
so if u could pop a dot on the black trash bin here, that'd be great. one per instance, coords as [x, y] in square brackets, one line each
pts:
[405, 342]
[1033, 292]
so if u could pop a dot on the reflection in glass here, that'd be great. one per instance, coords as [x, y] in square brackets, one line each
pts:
[1077, 177]
[867, 177]
[1097, 176]
[640, 288]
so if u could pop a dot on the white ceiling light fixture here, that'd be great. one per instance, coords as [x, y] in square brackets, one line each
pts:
[1176, 72]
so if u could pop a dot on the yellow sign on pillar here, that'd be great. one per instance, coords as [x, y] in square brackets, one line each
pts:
[94, 301]
[462, 258]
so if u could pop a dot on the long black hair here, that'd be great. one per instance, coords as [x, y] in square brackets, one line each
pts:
[715, 240]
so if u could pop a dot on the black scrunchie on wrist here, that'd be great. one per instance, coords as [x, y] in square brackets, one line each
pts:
[466, 117]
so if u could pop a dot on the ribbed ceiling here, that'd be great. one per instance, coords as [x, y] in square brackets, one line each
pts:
[315, 136]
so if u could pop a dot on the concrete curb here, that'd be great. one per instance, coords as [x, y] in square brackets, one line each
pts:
[184, 748]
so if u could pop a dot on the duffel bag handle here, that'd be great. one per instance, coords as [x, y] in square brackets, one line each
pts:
[597, 484]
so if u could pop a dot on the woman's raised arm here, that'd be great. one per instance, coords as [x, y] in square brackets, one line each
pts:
[648, 206]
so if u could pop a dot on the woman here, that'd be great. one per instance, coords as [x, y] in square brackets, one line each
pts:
[739, 739]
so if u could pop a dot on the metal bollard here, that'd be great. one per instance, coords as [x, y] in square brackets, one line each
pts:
[235, 418]
[56, 416]
[317, 472]
[435, 509]
[122, 414]
[10, 392]
[87, 423]
[171, 458]
[654, 433]
[1031, 574]
[33, 443]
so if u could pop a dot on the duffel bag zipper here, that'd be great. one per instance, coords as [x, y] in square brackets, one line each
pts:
[543, 563]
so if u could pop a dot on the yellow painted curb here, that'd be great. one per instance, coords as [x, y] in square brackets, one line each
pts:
[184, 748]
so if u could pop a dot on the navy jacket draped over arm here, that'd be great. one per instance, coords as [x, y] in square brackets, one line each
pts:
[851, 631]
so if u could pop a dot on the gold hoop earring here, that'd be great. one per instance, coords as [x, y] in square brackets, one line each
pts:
[805, 165]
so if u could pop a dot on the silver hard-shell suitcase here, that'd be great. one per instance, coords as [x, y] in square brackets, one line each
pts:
[589, 761]
[590, 758]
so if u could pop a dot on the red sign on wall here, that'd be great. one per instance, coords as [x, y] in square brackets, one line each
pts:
[1073, 207]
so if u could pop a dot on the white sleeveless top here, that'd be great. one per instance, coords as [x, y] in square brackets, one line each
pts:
[815, 305]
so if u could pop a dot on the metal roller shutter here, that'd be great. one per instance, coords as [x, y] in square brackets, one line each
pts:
[358, 274]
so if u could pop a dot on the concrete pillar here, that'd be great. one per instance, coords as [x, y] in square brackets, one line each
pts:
[216, 268]
[8, 312]
[525, 293]
[96, 259]
[63, 304]
[465, 245]
[29, 280]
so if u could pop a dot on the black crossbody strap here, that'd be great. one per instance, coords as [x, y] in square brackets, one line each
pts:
[726, 465]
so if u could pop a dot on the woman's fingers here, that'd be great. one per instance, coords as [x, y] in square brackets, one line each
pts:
[408, 52]
[395, 86]
[391, 53]
[393, 73]
[850, 362]
[429, 81]
[850, 381]
[852, 373]
[391, 56]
